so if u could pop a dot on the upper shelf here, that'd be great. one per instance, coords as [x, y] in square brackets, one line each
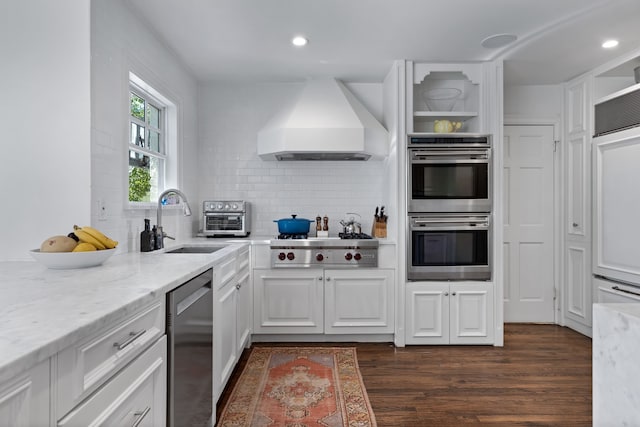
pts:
[449, 115]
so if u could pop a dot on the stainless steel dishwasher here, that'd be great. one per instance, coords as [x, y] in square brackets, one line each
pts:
[189, 353]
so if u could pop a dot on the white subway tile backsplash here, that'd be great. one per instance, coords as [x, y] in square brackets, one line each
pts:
[229, 167]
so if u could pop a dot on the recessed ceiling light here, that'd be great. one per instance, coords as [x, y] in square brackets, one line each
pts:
[610, 44]
[498, 40]
[299, 41]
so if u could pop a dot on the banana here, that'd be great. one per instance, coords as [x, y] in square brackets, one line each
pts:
[84, 247]
[109, 243]
[92, 235]
[85, 237]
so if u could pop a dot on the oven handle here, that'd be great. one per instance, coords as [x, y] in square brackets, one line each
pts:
[222, 213]
[438, 154]
[467, 224]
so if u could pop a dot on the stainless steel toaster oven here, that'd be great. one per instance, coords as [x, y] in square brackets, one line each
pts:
[226, 218]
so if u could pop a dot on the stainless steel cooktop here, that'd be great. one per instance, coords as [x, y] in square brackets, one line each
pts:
[324, 252]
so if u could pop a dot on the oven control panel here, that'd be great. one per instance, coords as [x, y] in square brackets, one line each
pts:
[332, 258]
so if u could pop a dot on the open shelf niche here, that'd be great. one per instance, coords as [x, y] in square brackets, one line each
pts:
[465, 108]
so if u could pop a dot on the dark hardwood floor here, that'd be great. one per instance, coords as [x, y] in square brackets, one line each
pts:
[541, 377]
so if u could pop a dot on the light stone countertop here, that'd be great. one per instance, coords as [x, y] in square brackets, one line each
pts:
[44, 311]
[616, 372]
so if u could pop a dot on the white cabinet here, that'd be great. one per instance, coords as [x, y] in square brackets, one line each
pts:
[231, 317]
[86, 365]
[225, 350]
[116, 376]
[577, 291]
[332, 301]
[288, 301]
[24, 400]
[136, 396]
[449, 313]
[359, 301]
[244, 311]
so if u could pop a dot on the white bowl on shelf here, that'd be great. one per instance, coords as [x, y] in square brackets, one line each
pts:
[441, 99]
[71, 260]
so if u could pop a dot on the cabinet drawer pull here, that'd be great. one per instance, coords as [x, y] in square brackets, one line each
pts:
[140, 416]
[132, 337]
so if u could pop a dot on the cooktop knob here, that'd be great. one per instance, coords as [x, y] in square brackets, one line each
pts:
[219, 206]
[319, 257]
[226, 207]
[357, 256]
[234, 206]
[348, 256]
[290, 256]
[281, 256]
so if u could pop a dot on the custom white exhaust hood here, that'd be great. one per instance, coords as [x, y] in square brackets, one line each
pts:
[326, 122]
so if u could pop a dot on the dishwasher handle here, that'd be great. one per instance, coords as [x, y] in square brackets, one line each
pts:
[192, 298]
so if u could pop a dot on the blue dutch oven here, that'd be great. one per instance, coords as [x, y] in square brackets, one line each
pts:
[293, 225]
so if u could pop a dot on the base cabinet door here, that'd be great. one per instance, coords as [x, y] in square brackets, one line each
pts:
[359, 301]
[471, 313]
[427, 313]
[136, 396]
[288, 301]
[24, 400]
[578, 299]
[224, 329]
[449, 313]
[244, 310]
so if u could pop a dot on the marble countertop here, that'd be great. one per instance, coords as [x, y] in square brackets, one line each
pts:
[616, 373]
[44, 311]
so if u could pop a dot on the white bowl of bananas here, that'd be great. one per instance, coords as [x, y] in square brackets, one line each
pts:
[84, 247]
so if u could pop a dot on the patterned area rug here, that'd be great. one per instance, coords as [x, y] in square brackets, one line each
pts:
[299, 387]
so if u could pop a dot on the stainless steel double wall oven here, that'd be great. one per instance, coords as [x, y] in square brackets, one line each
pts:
[449, 207]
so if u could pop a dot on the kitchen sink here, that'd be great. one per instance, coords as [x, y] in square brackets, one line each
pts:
[195, 250]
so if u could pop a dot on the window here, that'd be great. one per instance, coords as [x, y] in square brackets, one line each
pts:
[152, 142]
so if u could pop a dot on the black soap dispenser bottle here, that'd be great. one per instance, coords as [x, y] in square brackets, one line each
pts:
[146, 238]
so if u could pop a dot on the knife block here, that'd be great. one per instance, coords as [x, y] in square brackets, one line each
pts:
[379, 228]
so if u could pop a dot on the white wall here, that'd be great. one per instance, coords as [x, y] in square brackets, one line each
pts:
[44, 122]
[120, 42]
[230, 117]
[534, 101]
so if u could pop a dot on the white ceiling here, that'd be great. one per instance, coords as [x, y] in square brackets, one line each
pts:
[357, 40]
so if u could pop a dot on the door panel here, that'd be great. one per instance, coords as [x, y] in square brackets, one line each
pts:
[358, 301]
[428, 314]
[288, 301]
[528, 226]
[471, 313]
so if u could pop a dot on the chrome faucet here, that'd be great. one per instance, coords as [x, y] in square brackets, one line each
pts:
[187, 212]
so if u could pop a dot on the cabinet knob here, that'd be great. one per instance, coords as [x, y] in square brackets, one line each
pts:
[575, 224]
[238, 286]
[453, 293]
[446, 294]
[320, 278]
[328, 279]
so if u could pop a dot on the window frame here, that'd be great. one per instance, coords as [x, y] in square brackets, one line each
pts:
[168, 135]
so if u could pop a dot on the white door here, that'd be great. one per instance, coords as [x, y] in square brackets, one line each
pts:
[288, 301]
[470, 313]
[358, 301]
[427, 313]
[528, 224]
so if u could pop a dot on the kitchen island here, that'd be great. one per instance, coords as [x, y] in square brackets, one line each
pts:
[45, 311]
[616, 373]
